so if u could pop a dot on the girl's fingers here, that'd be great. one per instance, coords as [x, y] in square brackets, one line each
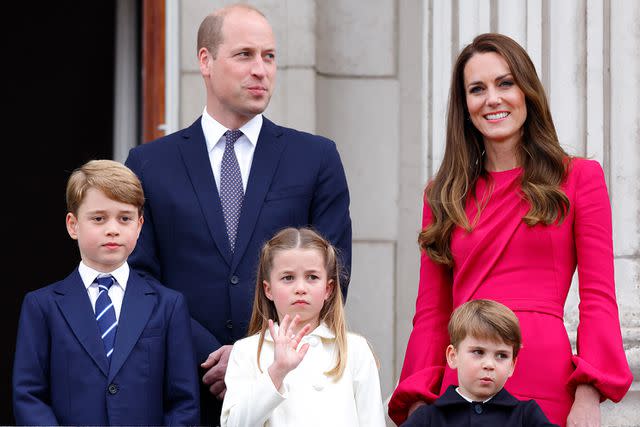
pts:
[303, 350]
[292, 326]
[284, 325]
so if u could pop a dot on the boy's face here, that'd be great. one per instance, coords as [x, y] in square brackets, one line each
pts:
[483, 366]
[106, 230]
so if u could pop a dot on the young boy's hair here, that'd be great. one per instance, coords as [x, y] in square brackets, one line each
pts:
[114, 179]
[485, 319]
[332, 312]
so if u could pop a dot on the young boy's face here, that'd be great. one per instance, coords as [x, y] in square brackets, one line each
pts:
[106, 230]
[483, 366]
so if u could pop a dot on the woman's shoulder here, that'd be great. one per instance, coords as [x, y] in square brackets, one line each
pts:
[582, 165]
[581, 169]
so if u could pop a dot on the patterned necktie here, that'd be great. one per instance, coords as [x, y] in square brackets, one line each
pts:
[106, 314]
[231, 192]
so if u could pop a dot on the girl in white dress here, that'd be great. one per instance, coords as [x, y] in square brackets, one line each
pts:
[299, 366]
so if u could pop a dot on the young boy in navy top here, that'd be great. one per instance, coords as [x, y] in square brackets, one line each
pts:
[104, 346]
[485, 340]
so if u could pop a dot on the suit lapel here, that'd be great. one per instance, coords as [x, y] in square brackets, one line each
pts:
[196, 159]
[265, 161]
[75, 306]
[137, 305]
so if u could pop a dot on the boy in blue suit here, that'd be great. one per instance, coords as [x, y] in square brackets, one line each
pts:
[485, 340]
[105, 346]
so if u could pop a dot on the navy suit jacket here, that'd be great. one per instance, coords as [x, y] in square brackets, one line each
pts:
[503, 409]
[296, 179]
[61, 374]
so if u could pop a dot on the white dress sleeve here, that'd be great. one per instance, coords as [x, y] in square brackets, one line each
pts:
[251, 396]
[366, 384]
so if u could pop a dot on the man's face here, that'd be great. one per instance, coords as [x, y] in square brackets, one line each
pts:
[241, 78]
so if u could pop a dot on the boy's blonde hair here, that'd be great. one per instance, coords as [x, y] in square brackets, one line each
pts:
[332, 312]
[485, 319]
[114, 179]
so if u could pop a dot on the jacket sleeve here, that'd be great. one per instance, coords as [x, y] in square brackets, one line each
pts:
[600, 360]
[251, 396]
[366, 384]
[181, 396]
[330, 209]
[31, 388]
[424, 359]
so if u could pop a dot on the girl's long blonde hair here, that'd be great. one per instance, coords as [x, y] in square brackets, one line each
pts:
[332, 312]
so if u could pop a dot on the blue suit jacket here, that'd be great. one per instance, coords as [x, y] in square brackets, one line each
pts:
[296, 179]
[503, 409]
[61, 374]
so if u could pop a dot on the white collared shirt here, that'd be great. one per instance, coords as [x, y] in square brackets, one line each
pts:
[116, 291]
[307, 396]
[244, 147]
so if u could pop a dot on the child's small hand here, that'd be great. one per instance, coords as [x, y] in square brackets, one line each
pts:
[286, 355]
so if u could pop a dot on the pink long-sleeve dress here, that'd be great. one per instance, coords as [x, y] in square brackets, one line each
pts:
[529, 269]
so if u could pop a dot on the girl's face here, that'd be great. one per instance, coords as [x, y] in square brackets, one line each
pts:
[298, 284]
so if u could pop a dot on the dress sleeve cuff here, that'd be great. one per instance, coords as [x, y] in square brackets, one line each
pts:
[611, 385]
[423, 385]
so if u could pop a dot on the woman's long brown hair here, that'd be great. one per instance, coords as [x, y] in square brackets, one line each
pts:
[543, 160]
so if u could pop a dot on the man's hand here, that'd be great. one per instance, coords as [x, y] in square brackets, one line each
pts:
[216, 365]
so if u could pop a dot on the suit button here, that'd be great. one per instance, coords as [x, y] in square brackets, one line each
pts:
[229, 324]
[234, 280]
[113, 388]
[478, 408]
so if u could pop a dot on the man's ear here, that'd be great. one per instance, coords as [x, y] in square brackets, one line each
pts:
[72, 225]
[204, 58]
[452, 357]
[267, 289]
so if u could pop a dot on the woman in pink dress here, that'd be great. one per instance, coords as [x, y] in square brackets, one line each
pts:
[508, 217]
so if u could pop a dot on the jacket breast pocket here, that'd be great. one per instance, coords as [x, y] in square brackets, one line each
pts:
[291, 192]
[151, 332]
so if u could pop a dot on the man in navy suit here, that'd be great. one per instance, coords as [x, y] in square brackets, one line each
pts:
[104, 346]
[289, 178]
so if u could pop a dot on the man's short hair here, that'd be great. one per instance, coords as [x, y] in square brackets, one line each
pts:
[210, 32]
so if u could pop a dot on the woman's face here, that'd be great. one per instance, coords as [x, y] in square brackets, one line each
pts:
[496, 104]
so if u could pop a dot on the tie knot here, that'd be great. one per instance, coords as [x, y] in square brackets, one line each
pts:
[105, 281]
[233, 135]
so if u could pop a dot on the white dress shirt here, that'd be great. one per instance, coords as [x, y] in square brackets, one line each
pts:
[307, 396]
[116, 291]
[244, 147]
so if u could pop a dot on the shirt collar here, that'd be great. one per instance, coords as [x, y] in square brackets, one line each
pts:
[322, 331]
[214, 130]
[89, 275]
[452, 397]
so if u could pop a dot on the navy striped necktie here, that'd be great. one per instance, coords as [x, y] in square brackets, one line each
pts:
[106, 314]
